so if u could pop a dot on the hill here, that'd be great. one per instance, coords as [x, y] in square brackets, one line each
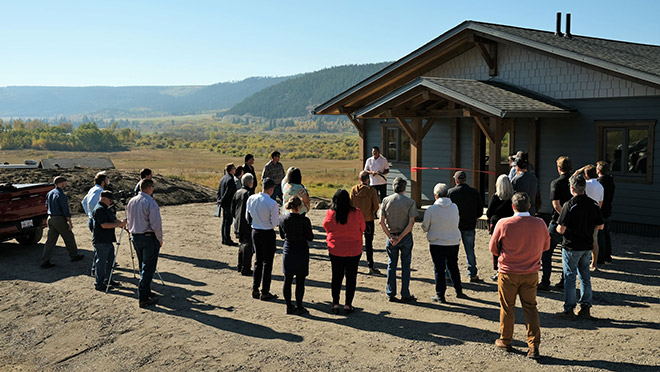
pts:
[139, 101]
[296, 97]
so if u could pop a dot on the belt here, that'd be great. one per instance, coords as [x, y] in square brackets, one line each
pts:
[395, 234]
[148, 233]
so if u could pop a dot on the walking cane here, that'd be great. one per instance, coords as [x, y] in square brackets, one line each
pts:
[114, 261]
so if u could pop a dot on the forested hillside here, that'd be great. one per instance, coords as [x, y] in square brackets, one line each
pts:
[296, 97]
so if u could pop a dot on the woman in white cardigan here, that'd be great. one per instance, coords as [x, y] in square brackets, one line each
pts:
[441, 227]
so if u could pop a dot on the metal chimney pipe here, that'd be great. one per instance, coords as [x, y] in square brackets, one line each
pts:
[568, 26]
[558, 29]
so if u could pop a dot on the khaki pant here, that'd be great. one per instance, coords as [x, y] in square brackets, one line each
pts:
[524, 285]
[57, 225]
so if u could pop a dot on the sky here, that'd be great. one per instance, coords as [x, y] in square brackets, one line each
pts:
[195, 42]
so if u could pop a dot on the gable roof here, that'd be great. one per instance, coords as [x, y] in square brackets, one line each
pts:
[633, 61]
[490, 98]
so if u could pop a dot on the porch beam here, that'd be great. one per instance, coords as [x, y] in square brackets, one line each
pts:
[485, 127]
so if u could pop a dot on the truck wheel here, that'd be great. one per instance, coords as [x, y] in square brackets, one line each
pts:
[32, 237]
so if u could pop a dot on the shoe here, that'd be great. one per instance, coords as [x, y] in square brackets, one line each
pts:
[349, 309]
[247, 273]
[255, 294]
[47, 265]
[392, 299]
[267, 296]
[461, 295]
[440, 299]
[494, 277]
[500, 344]
[476, 279]
[560, 285]
[408, 299]
[533, 352]
[77, 257]
[231, 244]
[566, 314]
[585, 312]
[301, 310]
[374, 271]
[149, 302]
[291, 309]
[334, 309]
[543, 288]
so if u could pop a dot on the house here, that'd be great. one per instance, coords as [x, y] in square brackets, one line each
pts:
[482, 91]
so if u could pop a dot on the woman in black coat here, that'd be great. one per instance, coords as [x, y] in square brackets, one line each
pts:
[296, 230]
[499, 207]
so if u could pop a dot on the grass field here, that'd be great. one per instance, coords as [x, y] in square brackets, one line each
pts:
[321, 177]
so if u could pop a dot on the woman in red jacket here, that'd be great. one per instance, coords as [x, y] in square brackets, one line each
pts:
[345, 226]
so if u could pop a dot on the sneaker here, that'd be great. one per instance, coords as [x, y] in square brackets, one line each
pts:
[149, 302]
[585, 312]
[533, 352]
[267, 296]
[543, 287]
[494, 277]
[476, 279]
[77, 257]
[566, 314]
[409, 298]
[438, 298]
[47, 265]
[501, 345]
[255, 294]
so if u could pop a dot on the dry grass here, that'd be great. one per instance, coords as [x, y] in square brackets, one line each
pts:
[322, 177]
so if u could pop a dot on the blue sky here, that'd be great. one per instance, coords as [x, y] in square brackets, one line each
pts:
[140, 42]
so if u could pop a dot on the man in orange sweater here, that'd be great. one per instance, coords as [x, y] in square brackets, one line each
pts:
[365, 198]
[519, 241]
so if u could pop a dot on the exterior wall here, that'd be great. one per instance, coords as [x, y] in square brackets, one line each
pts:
[543, 74]
[634, 203]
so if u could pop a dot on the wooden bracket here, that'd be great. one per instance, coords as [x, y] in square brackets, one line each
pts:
[357, 123]
[408, 129]
[488, 50]
[427, 127]
[485, 127]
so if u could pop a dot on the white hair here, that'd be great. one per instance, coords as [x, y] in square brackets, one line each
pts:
[440, 190]
[503, 187]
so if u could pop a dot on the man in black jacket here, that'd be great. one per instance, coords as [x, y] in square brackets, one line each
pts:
[248, 167]
[226, 192]
[470, 208]
[243, 228]
[604, 242]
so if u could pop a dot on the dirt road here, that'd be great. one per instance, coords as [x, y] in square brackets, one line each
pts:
[206, 320]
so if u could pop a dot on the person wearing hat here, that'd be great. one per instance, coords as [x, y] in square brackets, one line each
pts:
[104, 223]
[525, 181]
[397, 217]
[89, 202]
[59, 223]
[470, 208]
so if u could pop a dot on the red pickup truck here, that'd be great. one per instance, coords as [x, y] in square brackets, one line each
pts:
[23, 212]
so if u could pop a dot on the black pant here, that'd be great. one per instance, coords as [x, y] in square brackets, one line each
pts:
[300, 289]
[227, 219]
[445, 256]
[369, 242]
[245, 254]
[382, 191]
[263, 243]
[344, 266]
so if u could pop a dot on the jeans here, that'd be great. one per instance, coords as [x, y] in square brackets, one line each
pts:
[105, 255]
[467, 236]
[147, 249]
[245, 254]
[546, 258]
[404, 248]
[263, 242]
[369, 242]
[605, 243]
[227, 219]
[344, 267]
[90, 224]
[445, 256]
[576, 262]
[524, 285]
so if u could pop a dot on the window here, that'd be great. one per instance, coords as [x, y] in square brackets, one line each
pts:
[628, 147]
[396, 144]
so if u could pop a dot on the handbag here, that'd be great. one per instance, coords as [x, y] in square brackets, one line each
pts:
[217, 212]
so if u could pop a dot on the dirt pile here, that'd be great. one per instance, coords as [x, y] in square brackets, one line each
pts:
[168, 191]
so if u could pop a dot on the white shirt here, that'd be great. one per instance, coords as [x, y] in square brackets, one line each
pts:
[90, 200]
[378, 165]
[441, 223]
[595, 190]
[264, 211]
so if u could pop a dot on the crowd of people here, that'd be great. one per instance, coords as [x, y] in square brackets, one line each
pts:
[521, 244]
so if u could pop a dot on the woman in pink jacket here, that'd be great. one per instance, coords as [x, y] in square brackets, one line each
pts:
[345, 226]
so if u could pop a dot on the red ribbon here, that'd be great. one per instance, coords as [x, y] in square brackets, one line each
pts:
[415, 169]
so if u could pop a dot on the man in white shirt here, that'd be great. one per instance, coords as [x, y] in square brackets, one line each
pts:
[90, 201]
[263, 213]
[595, 191]
[377, 167]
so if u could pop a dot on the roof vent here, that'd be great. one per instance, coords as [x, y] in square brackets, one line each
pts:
[568, 26]
[558, 29]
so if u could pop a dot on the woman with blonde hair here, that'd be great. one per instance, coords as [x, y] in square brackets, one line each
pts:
[499, 207]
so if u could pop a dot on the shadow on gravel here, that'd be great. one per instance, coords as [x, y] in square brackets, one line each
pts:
[597, 364]
[28, 258]
[198, 262]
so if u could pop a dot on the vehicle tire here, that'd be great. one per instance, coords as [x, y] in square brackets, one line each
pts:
[32, 237]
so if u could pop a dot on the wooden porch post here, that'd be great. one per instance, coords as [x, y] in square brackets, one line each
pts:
[476, 159]
[453, 149]
[495, 153]
[361, 126]
[533, 143]
[416, 161]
